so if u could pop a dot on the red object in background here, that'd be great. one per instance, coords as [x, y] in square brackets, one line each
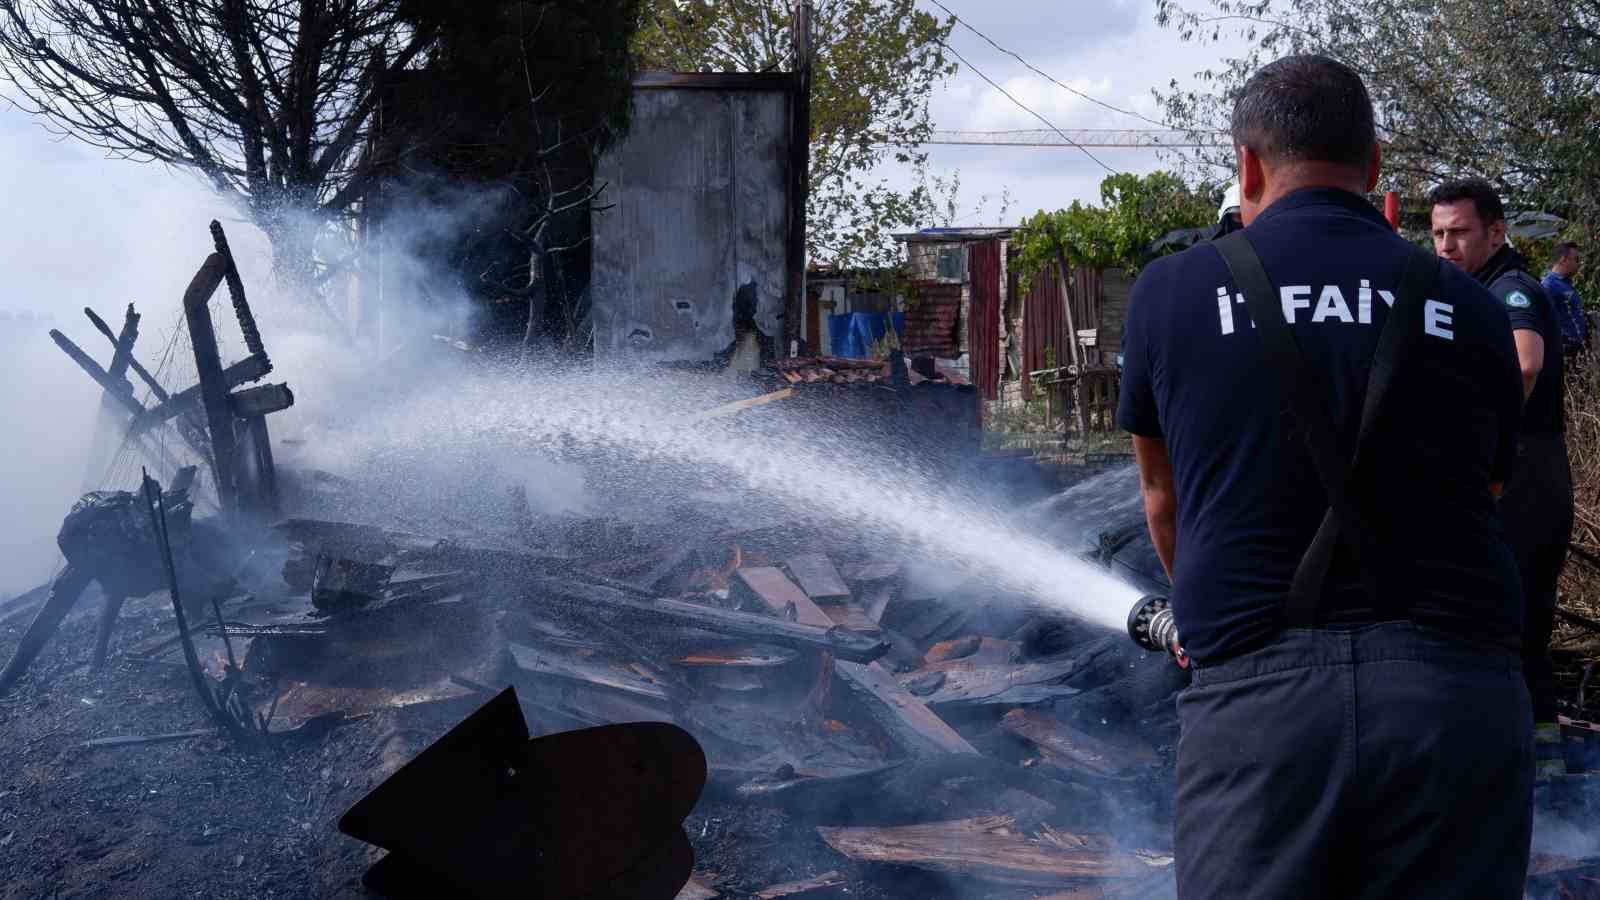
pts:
[983, 324]
[1391, 209]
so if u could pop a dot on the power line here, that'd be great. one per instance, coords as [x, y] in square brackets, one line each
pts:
[1026, 108]
[1110, 138]
[1045, 75]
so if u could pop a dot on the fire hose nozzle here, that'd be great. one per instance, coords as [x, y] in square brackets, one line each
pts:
[1151, 625]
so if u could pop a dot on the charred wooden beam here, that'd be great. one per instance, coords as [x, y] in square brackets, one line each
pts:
[251, 368]
[133, 363]
[241, 306]
[745, 626]
[907, 721]
[969, 683]
[213, 385]
[1075, 751]
[118, 389]
[260, 401]
[990, 848]
[818, 577]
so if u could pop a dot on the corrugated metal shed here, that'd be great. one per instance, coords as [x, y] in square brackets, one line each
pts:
[699, 208]
[983, 325]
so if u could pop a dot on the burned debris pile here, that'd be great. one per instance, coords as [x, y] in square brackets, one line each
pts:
[874, 721]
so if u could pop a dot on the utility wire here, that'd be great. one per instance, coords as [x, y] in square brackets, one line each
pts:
[1045, 75]
[1026, 108]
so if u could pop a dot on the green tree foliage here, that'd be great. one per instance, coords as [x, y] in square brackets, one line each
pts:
[1134, 211]
[876, 63]
[1503, 90]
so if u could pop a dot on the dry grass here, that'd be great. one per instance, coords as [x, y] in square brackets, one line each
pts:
[1577, 647]
[1580, 581]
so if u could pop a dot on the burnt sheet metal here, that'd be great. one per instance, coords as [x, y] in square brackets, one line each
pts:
[699, 205]
[932, 319]
[983, 326]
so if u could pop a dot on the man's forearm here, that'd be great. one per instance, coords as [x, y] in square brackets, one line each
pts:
[1164, 534]
[1530, 357]
[1160, 497]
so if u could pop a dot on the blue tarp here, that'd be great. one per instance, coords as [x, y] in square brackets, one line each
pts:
[853, 334]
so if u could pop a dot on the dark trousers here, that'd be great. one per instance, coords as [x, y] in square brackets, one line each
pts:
[1386, 761]
[1537, 513]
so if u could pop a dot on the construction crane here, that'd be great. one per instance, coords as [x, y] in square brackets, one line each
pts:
[1074, 138]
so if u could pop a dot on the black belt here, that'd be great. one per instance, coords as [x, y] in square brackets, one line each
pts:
[1306, 399]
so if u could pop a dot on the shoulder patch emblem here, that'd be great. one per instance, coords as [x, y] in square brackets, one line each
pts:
[1518, 300]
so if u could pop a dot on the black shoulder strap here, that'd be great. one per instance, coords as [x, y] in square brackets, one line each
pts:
[1306, 393]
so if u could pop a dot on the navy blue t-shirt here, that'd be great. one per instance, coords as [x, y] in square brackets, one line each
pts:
[1249, 500]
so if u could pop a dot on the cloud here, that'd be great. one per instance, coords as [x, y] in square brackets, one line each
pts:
[1113, 52]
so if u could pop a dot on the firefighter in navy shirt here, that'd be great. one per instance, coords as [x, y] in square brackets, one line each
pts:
[1384, 751]
[1469, 229]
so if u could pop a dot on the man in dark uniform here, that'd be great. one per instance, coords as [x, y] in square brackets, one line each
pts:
[1379, 746]
[1469, 229]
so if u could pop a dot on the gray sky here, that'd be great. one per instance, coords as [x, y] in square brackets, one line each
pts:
[1112, 50]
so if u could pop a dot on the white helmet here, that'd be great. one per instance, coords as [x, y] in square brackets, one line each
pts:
[1230, 202]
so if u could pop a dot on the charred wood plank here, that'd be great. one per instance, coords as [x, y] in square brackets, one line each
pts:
[192, 433]
[117, 389]
[368, 543]
[144, 740]
[824, 882]
[213, 385]
[260, 401]
[907, 721]
[737, 656]
[1073, 750]
[251, 368]
[818, 577]
[786, 599]
[902, 717]
[978, 685]
[133, 363]
[728, 409]
[744, 626]
[769, 585]
[873, 571]
[241, 306]
[989, 848]
[533, 661]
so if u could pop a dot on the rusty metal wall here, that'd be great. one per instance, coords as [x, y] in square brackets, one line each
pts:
[1044, 327]
[1045, 336]
[699, 207]
[983, 324]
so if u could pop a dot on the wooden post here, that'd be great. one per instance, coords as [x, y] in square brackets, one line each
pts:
[213, 384]
[133, 363]
[799, 177]
[106, 424]
[1072, 345]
